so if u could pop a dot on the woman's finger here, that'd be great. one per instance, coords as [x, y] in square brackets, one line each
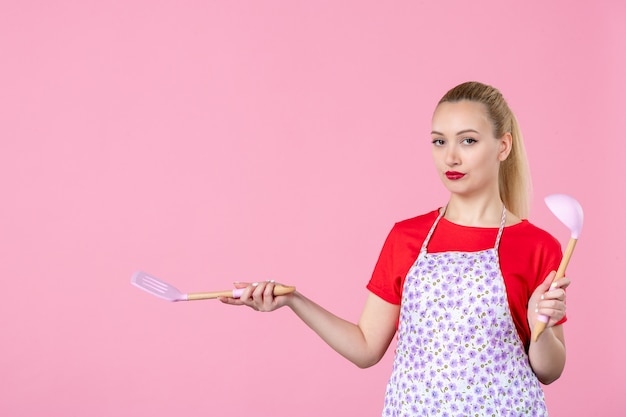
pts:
[557, 294]
[231, 301]
[561, 283]
[552, 308]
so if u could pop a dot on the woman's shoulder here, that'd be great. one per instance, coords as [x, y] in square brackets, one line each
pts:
[414, 229]
[527, 231]
[418, 222]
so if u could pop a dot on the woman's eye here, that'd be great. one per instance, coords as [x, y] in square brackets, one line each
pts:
[469, 141]
[438, 142]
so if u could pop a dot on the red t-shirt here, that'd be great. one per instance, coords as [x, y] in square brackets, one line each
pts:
[527, 255]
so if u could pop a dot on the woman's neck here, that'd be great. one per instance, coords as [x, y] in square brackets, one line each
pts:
[475, 212]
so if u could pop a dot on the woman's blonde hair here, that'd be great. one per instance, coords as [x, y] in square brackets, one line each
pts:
[514, 176]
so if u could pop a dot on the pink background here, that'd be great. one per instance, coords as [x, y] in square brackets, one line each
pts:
[214, 141]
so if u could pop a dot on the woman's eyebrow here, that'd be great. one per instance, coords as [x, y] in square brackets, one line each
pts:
[467, 131]
[434, 132]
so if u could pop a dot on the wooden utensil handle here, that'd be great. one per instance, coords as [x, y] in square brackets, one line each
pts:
[208, 295]
[560, 273]
[279, 289]
[540, 326]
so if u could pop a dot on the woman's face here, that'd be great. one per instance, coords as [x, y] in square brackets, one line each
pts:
[467, 156]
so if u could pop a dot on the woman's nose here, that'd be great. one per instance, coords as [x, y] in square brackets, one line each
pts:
[452, 157]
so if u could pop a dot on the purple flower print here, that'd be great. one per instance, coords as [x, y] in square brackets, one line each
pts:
[460, 345]
[458, 281]
[439, 385]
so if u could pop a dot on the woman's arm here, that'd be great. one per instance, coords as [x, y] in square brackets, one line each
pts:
[364, 343]
[547, 354]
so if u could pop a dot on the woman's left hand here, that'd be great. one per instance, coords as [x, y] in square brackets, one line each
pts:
[548, 300]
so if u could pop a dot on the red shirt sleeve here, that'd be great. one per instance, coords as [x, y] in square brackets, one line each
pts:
[397, 256]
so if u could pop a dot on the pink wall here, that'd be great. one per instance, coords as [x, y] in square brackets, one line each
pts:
[214, 141]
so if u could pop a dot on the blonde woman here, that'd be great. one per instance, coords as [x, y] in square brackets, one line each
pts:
[461, 285]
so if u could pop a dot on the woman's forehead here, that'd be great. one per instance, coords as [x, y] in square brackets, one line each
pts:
[460, 116]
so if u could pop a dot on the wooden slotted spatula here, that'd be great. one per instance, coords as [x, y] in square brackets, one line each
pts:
[162, 289]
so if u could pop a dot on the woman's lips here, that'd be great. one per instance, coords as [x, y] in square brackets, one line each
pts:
[454, 175]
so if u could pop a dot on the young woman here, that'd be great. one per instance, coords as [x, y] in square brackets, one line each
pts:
[462, 285]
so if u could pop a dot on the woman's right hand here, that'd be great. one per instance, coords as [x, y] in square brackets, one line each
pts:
[258, 296]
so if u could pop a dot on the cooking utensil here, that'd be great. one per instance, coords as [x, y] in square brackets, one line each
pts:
[162, 289]
[570, 213]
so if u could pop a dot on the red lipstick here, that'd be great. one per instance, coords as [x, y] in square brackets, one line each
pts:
[454, 175]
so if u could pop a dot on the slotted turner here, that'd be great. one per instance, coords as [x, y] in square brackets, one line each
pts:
[162, 289]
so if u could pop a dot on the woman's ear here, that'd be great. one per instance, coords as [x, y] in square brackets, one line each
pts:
[506, 143]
